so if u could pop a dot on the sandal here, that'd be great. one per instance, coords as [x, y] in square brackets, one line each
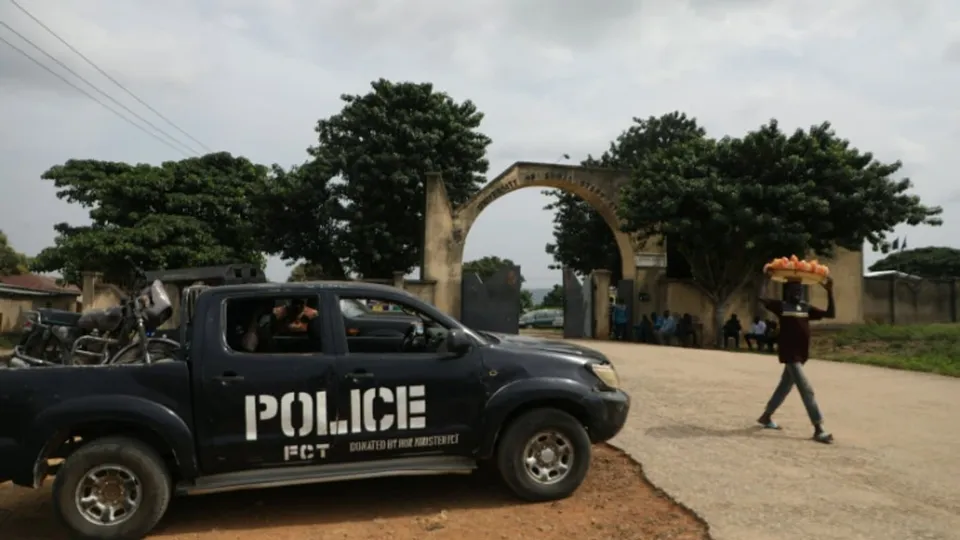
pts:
[823, 437]
[768, 424]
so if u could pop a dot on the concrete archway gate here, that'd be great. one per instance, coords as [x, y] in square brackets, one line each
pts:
[446, 229]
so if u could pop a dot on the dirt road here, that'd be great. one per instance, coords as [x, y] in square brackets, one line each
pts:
[894, 472]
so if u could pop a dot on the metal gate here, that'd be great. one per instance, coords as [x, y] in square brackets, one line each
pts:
[492, 305]
[573, 313]
[578, 313]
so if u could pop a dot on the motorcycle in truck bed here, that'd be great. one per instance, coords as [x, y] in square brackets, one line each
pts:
[128, 332]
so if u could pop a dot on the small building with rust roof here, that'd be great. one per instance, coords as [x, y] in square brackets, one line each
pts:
[27, 292]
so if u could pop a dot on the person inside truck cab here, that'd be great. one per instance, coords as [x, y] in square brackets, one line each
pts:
[294, 316]
[256, 332]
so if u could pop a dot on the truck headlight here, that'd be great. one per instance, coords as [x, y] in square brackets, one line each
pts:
[607, 375]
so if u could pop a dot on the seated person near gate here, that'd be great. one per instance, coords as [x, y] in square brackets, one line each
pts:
[757, 334]
[645, 330]
[731, 330]
[686, 331]
[668, 328]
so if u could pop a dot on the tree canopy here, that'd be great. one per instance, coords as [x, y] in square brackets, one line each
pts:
[488, 266]
[12, 262]
[554, 298]
[380, 147]
[194, 212]
[928, 262]
[526, 300]
[296, 208]
[306, 272]
[728, 206]
[582, 239]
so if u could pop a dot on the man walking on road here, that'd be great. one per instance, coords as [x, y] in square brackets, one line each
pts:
[794, 350]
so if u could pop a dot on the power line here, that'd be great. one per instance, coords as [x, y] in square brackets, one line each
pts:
[99, 91]
[107, 75]
[89, 95]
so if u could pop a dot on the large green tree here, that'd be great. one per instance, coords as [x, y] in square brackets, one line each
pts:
[730, 205]
[12, 262]
[583, 241]
[380, 147]
[194, 212]
[296, 208]
[928, 262]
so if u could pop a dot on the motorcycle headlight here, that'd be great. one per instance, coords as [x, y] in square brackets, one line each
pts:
[607, 375]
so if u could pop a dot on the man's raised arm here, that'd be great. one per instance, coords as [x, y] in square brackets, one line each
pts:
[831, 310]
[770, 304]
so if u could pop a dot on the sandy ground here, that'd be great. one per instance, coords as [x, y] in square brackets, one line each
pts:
[894, 472]
[615, 503]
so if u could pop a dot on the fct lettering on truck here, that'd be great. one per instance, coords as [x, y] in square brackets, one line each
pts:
[410, 414]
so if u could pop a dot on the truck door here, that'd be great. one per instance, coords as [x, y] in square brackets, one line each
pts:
[264, 402]
[404, 402]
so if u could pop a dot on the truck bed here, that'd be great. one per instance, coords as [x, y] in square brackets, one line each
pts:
[43, 403]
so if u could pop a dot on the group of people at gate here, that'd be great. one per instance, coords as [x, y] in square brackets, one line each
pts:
[657, 329]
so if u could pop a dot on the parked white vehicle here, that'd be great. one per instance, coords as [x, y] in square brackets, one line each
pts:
[542, 318]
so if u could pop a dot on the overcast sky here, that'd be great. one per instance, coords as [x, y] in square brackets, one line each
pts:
[553, 77]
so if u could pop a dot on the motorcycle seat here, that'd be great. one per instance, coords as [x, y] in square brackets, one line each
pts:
[102, 320]
[58, 317]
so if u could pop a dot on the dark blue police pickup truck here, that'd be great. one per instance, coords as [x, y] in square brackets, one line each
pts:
[315, 399]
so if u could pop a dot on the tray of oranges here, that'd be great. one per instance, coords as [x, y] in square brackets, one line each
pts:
[795, 269]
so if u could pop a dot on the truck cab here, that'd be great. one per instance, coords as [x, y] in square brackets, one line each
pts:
[280, 384]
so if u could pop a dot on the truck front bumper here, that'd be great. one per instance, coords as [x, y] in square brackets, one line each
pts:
[608, 413]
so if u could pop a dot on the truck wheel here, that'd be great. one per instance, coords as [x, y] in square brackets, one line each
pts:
[115, 488]
[544, 455]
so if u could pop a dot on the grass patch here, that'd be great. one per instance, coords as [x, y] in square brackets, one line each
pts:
[932, 348]
[8, 341]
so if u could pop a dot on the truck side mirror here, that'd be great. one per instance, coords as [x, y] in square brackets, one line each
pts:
[458, 342]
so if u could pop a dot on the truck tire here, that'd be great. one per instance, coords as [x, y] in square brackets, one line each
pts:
[544, 455]
[114, 478]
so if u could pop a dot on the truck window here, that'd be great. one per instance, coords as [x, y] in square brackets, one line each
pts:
[401, 329]
[280, 324]
[353, 308]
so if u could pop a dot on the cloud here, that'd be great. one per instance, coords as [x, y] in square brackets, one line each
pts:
[252, 77]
